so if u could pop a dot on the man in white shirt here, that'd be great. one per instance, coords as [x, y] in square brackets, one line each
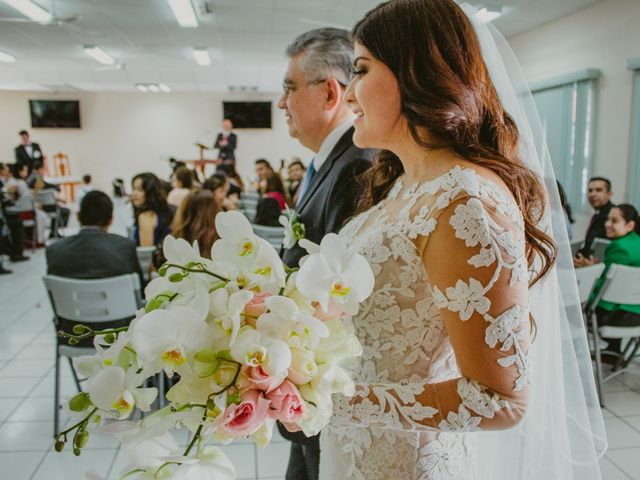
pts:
[320, 68]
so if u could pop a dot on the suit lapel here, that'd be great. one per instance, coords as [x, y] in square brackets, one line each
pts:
[344, 143]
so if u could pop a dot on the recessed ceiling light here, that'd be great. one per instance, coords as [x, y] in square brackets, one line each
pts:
[6, 58]
[488, 14]
[99, 55]
[165, 88]
[153, 88]
[184, 13]
[142, 88]
[202, 56]
[30, 9]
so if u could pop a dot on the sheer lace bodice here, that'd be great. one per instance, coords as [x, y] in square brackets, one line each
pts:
[445, 331]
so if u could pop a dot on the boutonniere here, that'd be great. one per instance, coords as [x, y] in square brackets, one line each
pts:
[293, 228]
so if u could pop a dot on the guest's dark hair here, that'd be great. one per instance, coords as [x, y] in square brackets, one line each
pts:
[86, 178]
[23, 132]
[184, 176]
[264, 161]
[195, 220]
[565, 203]
[445, 91]
[606, 181]
[299, 163]
[630, 214]
[267, 212]
[229, 169]
[96, 209]
[176, 165]
[118, 187]
[274, 183]
[155, 198]
[214, 182]
[16, 168]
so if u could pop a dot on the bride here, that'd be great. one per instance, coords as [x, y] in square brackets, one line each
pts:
[465, 332]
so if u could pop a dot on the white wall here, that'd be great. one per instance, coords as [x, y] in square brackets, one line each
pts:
[602, 36]
[126, 133]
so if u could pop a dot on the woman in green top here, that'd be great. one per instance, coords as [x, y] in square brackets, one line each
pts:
[623, 228]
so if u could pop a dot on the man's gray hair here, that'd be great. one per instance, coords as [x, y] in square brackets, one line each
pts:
[327, 52]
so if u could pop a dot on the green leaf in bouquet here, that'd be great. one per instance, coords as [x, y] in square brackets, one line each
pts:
[225, 355]
[206, 356]
[80, 402]
[203, 369]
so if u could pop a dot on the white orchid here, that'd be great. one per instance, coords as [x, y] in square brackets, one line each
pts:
[333, 274]
[254, 349]
[209, 464]
[285, 321]
[226, 310]
[303, 366]
[117, 392]
[165, 339]
[319, 409]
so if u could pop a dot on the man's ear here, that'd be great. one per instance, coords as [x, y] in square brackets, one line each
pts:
[335, 92]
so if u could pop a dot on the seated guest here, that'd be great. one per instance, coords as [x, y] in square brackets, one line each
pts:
[599, 191]
[151, 212]
[11, 230]
[195, 220]
[119, 188]
[37, 183]
[93, 252]
[295, 173]
[22, 203]
[218, 184]
[236, 185]
[5, 174]
[85, 188]
[268, 212]
[271, 187]
[622, 228]
[263, 168]
[182, 183]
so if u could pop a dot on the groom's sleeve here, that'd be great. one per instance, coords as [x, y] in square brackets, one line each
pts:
[476, 262]
[344, 195]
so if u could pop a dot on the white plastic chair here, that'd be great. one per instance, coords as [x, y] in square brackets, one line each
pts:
[145, 255]
[621, 286]
[599, 246]
[587, 277]
[273, 235]
[88, 302]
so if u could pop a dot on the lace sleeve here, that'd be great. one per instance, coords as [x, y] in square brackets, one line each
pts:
[475, 260]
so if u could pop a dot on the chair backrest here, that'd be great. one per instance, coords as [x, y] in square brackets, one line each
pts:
[587, 277]
[622, 285]
[94, 301]
[145, 255]
[599, 246]
[248, 203]
[251, 195]
[273, 235]
[46, 197]
[575, 246]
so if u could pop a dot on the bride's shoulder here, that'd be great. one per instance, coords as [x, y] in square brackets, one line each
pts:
[467, 178]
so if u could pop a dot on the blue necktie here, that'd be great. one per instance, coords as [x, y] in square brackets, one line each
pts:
[305, 182]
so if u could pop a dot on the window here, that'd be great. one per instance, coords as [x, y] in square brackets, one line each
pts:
[633, 172]
[566, 107]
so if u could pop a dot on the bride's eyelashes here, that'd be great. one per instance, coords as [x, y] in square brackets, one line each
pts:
[358, 72]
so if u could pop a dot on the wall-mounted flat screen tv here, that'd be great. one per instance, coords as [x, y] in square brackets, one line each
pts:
[55, 113]
[248, 114]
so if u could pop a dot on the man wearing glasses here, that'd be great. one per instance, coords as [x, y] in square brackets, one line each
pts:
[319, 70]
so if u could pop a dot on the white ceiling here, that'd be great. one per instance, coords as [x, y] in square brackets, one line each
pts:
[246, 39]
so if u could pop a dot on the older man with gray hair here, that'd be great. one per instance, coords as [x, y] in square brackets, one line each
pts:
[320, 68]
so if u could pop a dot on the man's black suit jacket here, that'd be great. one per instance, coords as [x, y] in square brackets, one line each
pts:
[596, 229]
[330, 200]
[227, 152]
[32, 161]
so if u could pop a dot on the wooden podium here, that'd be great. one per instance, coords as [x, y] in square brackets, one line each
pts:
[202, 162]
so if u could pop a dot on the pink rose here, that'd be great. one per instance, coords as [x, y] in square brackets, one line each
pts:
[286, 403]
[262, 381]
[244, 419]
[333, 313]
[256, 307]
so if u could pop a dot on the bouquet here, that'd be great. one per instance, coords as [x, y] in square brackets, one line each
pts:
[250, 341]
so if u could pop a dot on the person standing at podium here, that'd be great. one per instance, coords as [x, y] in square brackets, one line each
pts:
[226, 142]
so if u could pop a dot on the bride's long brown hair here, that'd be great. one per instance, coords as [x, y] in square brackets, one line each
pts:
[445, 90]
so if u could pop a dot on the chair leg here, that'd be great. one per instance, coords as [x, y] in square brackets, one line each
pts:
[629, 358]
[75, 375]
[598, 359]
[56, 397]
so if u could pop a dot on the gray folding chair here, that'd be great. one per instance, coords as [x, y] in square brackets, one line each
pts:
[91, 303]
[273, 235]
[587, 277]
[599, 246]
[47, 198]
[621, 286]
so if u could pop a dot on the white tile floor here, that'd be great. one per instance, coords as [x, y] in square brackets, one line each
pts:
[26, 402]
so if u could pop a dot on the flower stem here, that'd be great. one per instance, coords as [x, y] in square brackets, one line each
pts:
[202, 270]
[91, 333]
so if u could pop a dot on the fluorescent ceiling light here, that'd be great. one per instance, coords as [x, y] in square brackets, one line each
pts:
[99, 55]
[154, 88]
[184, 13]
[142, 88]
[164, 88]
[30, 9]
[6, 58]
[202, 56]
[488, 14]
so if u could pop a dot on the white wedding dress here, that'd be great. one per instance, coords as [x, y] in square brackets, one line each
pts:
[445, 332]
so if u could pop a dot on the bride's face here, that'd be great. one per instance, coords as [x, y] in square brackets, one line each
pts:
[374, 97]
